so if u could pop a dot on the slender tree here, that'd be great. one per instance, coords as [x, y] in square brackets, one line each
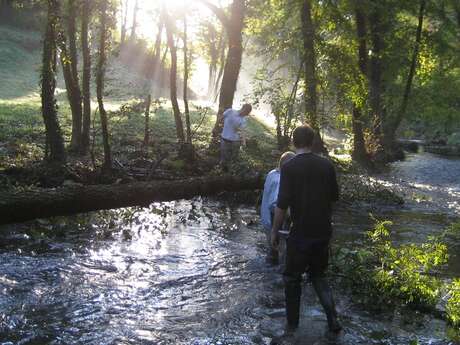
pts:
[173, 77]
[410, 77]
[376, 87]
[86, 80]
[73, 82]
[124, 19]
[104, 27]
[148, 102]
[311, 82]
[54, 137]
[308, 34]
[151, 71]
[134, 26]
[185, 92]
[233, 24]
[221, 62]
[359, 147]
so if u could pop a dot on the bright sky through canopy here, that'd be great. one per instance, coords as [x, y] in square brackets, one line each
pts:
[148, 10]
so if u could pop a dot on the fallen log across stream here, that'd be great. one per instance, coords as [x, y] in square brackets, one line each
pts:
[23, 206]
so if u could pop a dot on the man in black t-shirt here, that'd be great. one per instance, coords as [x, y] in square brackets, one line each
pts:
[308, 186]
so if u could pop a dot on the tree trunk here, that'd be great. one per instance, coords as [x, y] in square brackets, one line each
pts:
[48, 86]
[124, 14]
[155, 62]
[376, 82]
[85, 19]
[311, 82]
[72, 59]
[186, 76]
[359, 147]
[214, 57]
[100, 86]
[218, 79]
[134, 27]
[20, 206]
[308, 34]
[410, 77]
[173, 79]
[162, 76]
[234, 28]
[147, 122]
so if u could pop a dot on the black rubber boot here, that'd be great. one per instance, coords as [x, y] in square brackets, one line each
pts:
[293, 292]
[324, 292]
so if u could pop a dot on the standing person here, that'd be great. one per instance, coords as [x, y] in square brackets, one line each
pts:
[308, 186]
[269, 199]
[232, 134]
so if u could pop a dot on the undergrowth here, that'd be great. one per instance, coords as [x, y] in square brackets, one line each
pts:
[383, 275]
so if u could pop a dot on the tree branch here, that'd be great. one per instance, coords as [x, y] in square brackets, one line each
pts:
[220, 14]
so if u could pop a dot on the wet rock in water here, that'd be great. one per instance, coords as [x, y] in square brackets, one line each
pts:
[362, 188]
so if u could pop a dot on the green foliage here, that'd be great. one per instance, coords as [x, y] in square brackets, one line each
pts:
[282, 95]
[453, 303]
[390, 275]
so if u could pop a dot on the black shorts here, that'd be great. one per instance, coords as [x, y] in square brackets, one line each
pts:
[310, 256]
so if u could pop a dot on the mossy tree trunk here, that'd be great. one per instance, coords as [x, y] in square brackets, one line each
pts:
[54, 138]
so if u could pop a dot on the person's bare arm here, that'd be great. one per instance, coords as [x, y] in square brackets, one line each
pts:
[278, 220]
[243, 137]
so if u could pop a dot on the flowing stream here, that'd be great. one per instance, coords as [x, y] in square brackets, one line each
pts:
[194, 272]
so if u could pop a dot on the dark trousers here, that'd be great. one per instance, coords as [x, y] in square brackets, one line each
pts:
[311, 256]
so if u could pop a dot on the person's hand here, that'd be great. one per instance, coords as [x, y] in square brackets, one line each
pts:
[275, 239]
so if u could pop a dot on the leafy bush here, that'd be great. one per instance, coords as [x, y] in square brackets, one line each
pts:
[390, 275]
[453, 303]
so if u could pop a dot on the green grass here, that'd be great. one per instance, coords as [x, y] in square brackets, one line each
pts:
[19, 62]
[22, 133]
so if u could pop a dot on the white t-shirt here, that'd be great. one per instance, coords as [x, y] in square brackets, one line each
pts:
[233, 124]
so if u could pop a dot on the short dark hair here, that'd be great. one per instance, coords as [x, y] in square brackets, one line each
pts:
[246, 109]
[303, 136]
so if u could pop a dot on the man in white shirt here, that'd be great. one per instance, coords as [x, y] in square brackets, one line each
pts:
[232, 134]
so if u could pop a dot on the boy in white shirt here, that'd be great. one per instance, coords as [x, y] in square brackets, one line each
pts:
[232, 134]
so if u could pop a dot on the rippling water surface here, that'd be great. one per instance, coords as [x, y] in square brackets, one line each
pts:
[194, 272]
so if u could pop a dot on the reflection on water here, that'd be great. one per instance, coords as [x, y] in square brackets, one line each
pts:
[185, 272]
[430, 182]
